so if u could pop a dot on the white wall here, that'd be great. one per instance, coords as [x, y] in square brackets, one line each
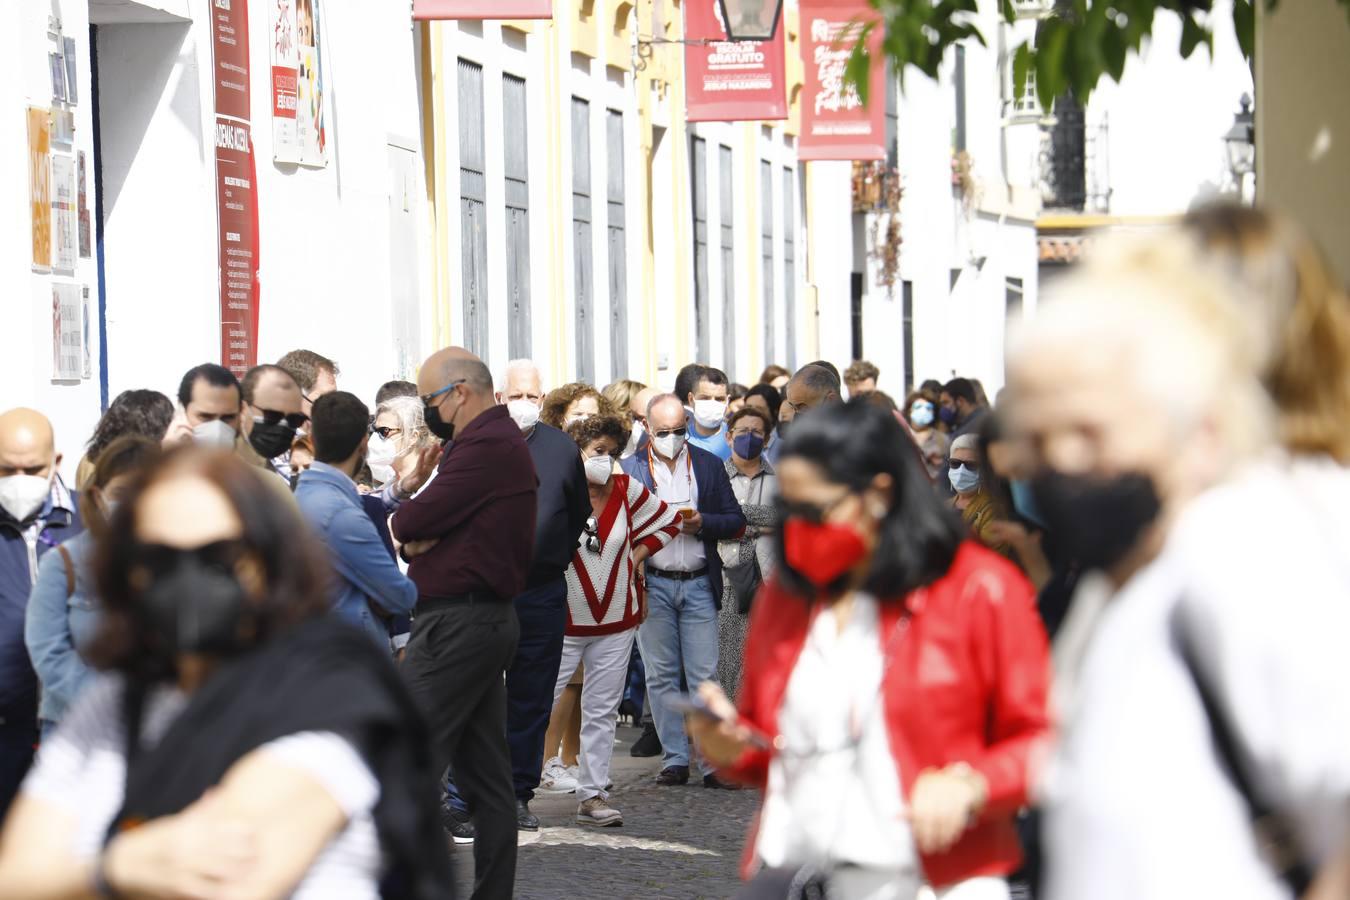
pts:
[324, 232]
[26, 296]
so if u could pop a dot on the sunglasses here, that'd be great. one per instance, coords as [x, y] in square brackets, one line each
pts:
[294, 421]
[385, 431]
[681, 431]
[427, 398]
[159, 560]
[593, 535]
[955, 464]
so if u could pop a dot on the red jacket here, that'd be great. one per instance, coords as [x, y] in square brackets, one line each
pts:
[966, 680]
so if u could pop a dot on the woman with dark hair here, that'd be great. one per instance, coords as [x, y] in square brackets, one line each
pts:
[239, 738]
[63, 609]
[769, 400]
[921, 411]
[894, 692]
[736, 395]
[145, 413]
[605, 604]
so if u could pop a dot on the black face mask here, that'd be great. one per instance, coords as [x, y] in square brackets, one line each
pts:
[442, 429]
[1096, 520]
[270, 441]
[195, 603]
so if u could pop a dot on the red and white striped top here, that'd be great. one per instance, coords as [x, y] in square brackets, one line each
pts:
[601, 589]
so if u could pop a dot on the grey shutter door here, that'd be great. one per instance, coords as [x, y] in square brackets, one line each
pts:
[699, 191]
[473, 210]
[766, 253]
[728, 241]
[515, 114]
[618, 249]
[583, 255]
[790, 264]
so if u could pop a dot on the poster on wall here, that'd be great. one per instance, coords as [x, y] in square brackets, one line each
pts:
[299, 126]
[58, 70]
[86, 226]
[482, 9]
[40, 185]
[835, 122]
[731, 81]
[67, 333]
[236, 197]
[65, 227]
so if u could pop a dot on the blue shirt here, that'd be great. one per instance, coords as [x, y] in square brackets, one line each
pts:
[60, 624]
[716, 443]
[329, 501]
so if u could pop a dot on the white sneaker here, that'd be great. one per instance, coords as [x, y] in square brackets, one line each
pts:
[598, 813]
[557, 778]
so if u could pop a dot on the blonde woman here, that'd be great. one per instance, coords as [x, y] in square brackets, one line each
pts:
[399, 431]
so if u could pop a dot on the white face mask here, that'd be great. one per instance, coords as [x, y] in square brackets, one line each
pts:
[380, 455]
[23, 495]
[599, 469]
[670, 445]
[572, 420]
[214, 434]
[709, 413]
[525, 413]
[963, 480]
[633, 439]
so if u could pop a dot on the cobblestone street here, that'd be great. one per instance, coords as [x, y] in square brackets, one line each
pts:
[675, 841]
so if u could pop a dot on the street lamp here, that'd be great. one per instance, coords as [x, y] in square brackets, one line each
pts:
[751, 20]
[1240, 141]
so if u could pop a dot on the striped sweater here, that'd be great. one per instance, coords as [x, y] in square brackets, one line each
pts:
[601, 589]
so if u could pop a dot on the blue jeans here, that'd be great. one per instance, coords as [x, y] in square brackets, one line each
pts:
[678, 638]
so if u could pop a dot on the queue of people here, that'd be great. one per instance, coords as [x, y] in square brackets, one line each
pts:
[285, 641]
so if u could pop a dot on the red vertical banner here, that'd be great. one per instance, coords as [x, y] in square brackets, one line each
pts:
[482, 9]
[236, 188]
[835, 122]
[731, 81]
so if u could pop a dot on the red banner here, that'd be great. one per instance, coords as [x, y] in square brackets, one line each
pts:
[835, 123]
[482, 9]
[731, 81]
[236, 193]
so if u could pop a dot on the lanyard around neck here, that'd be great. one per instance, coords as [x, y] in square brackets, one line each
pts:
[688, 468]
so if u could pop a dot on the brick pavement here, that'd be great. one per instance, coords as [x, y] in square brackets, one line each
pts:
[676, 842]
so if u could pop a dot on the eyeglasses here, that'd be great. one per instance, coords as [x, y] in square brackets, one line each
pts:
[955, 464]
[385, 431]
[427, 398]
[593, 535]
[681, 431]
[807, 512]
[295, 421]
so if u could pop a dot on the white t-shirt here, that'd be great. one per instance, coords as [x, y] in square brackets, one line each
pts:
[679, 490]
[834, 793]
[82, 769]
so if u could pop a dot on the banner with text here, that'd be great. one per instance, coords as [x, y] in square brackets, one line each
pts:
[835, 123]
[236, 180]
[482, 9]
[731, 81]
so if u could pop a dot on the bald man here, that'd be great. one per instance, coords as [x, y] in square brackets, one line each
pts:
[638, 409]
[812, 386]
[475, 524]
[36, 514]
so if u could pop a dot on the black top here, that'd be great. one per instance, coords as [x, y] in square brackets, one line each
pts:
[564, 502]
[480, 510]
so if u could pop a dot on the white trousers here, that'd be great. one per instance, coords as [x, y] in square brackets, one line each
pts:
[606, 658]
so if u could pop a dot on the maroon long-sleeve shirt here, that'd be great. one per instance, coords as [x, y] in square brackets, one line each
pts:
[481, 507]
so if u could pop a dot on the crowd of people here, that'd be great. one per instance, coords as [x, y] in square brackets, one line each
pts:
[273, 641]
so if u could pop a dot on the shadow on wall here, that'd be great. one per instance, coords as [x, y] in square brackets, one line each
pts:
[141, 69]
